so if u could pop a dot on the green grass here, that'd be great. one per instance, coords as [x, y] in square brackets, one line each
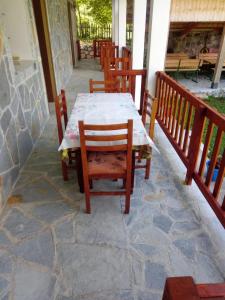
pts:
[219, 104]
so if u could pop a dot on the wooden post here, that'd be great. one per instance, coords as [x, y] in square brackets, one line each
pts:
[139, 21]
[220, 62]
[195, 142]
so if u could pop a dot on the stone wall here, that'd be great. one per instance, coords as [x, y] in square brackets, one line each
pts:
[86, 51]
[60, 41]
[193, 42]
[23, 112]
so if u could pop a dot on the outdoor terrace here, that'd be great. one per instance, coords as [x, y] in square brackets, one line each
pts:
[170, 231]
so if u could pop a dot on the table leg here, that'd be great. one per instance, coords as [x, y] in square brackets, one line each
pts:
[79, 171]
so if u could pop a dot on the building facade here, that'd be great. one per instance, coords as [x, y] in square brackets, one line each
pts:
[23, 98]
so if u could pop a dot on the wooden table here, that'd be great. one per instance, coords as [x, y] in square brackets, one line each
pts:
[103, 108]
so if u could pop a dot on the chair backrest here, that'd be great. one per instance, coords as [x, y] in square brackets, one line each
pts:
[189, 63]
[61, 112]
[117, 63]
[108, 51]
[172, 63]
[127, 81]
[107, 86]
[126, 52]
[208, 56]
[118, 138]
[149, 109]
[176, 55]
[97, 46]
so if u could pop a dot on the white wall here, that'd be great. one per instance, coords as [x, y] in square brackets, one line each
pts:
[158, 39]
[14, 19]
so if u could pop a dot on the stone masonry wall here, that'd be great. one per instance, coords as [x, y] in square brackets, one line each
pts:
[86, 51]
[193, 42]
[60, 41]
[23, 114]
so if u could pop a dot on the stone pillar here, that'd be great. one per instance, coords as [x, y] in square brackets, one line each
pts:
[139, 23]
[115, 19]
[122, 22]
[219, 63]
[159, 24]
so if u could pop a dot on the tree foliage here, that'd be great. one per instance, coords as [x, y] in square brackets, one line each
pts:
[96, 11]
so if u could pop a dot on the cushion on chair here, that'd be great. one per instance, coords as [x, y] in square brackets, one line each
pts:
[107, 163]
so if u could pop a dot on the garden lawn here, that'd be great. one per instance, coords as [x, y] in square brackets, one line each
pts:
[219, 104]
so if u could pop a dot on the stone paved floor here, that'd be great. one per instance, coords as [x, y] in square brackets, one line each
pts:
[203, 86]
[51, 249]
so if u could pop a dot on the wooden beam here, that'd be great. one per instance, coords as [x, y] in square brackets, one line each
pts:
[41, 20]
[220, 61]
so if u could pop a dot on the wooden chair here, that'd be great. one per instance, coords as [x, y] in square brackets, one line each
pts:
[177, 55]
[61, 113]
[149, 110]
[107, 86]
[172, 64]
[110, 51]
[178, 288]
[127, 82]
[190, 65]
[118, 63]
[97, 46]
[106, 161]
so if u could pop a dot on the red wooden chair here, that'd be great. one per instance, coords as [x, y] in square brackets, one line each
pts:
[118, 63]
[108, 51]
[97, 46]
[184, 288]
[127, 82]
[107, 86]
[149, 111]
[61, 113]
[106, 161]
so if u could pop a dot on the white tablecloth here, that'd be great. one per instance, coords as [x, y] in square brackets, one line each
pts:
[104, 108]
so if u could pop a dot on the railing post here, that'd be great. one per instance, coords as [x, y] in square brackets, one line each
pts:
[195, 142]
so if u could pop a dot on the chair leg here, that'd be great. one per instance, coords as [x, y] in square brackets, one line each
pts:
[64, 171]
[91, 183]
[124, 184]
[88, 203]
[127, 203]
[147, 168]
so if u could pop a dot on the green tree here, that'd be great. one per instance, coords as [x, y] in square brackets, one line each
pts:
[96, 11]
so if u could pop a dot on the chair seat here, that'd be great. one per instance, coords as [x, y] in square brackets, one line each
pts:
[110, 163]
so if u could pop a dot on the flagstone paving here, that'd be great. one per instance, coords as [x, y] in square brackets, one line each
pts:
[51, 249]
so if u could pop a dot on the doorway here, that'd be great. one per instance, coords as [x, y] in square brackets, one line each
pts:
[40, 16]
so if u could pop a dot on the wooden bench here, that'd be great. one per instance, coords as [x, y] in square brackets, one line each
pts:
[177, 55]
[184, 65]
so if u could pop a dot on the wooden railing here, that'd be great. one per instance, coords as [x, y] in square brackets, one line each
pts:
[195, 130]
[184, 288]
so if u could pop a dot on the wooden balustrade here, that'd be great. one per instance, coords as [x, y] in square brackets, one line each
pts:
[188, 123]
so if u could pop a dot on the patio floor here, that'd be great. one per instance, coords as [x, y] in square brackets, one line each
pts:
[51, 249]
[203, 86]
